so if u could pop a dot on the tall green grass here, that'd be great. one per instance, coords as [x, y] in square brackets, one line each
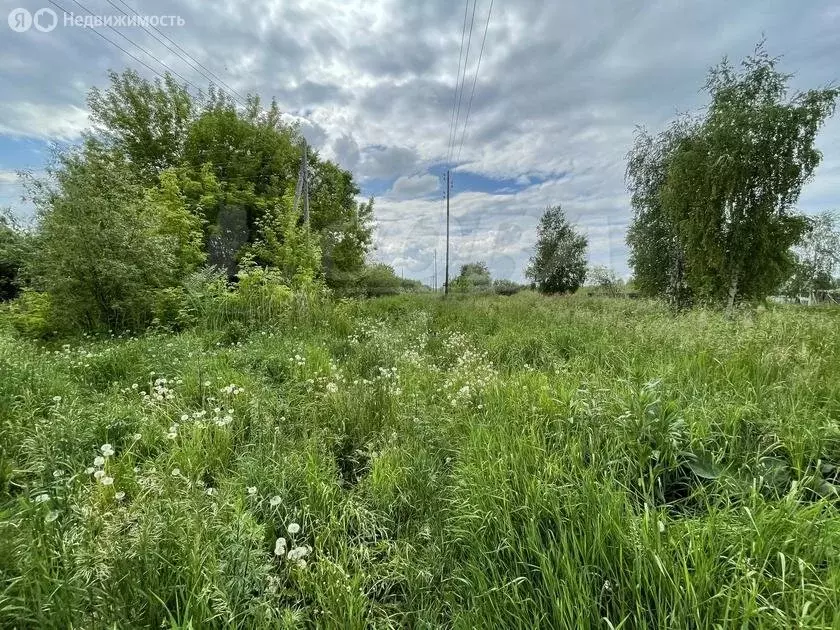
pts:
[490, 462]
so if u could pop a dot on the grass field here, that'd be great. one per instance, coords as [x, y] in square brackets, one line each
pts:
[482, 463]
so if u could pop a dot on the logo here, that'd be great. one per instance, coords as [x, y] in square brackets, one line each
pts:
[20, 20]
[45, 20]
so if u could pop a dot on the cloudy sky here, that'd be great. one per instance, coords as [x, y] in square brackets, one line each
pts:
[561, 87]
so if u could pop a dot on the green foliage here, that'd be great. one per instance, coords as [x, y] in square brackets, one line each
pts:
[726, 185]
[33, 315]
[816, 256]
[103, 250]
[473, 278]
[605, 280]
[559, 264]
[145, 121]
[503, 286]
[478, 463]
[380, 279]
[15, 248]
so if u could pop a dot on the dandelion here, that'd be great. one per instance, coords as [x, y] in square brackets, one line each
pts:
[185, 417]
[99, 474]
[119, 496]
[41, 498]
[137, 437]
[99, 460]
[90, 470]
[332, 388]
[211, 492]
[49, 518]
[176, 472]
[293, 528]
[275, 501]
[252, 490]
[280, 547]
[299, 553]
[107, 450]
[107, 481]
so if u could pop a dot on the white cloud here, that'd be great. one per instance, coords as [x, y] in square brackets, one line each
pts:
[415, 186]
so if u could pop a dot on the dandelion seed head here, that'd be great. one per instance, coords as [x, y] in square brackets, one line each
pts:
[280, 547]
[252, 490]
[293, 528]
[176, 472]
[53, 515]
[90, 470]
[119, 496]
[107, 450]
[41, 498]
[275, 501]
[99, 460]
[99, 474]
[107, 481]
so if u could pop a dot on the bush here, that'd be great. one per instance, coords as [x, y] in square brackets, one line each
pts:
[32, 315]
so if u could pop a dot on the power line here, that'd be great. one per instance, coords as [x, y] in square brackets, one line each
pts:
[113, 43]
[475, 79]
[186, 57]
[116, 45]
[463, 81]
[452, 129]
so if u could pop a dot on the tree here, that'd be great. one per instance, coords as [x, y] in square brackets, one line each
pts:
[380, 279]
[731, 186]
[657, 255]
[559, 263]
[605, 279]
[816, 256]
[474, 277]
[103, 248]
[15, 248]
[503, 286]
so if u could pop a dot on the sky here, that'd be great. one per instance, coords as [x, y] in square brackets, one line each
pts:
[561, 89]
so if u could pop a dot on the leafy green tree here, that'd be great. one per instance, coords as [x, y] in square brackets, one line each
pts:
[502, 286]
[103, 251]
[15, 249]
[473, 278]
[559, 263]
[656, 251]
[380, 279]
[146, 121]
[816, 255]
[605, 280]
[731, 187]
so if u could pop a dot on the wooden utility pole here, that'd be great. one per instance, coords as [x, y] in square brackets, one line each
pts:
[435, 279]
[446, 280]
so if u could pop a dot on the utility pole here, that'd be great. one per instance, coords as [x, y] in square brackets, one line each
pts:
[435, 279]
[446, 281]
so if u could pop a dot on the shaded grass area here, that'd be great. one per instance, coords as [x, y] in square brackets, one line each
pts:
[492, 462]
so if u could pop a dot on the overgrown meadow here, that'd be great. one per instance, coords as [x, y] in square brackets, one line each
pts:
[412, 462]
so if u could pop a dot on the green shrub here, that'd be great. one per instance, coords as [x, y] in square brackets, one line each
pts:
[32, 315]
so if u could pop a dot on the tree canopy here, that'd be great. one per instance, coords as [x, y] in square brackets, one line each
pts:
[559, 263]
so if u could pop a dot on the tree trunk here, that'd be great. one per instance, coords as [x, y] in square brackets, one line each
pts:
[733, 289]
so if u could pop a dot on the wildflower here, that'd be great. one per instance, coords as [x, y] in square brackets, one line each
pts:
[99, 474]
[211, 492]
[119, 496]
[275, 501]
[57, 399]
[134, 386]
[293, 528]
[49, 518]
[185, 417]
[41, 498]
[99, 460]
[137, 437]
[107, 481]
[332, 388]
[280, 547]
[107, 450]
[252, 490]
[299, 553]
[176, 472]
[89, 470]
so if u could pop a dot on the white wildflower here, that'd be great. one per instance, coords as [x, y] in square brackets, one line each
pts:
[119, 496]
[332, 388]
[99, 460]
[280, 547]
[252, 490]
[49, 518]
[90, 470]
[293, 528]
[275, 501]
[176, 472]
[107, 450]
[41, 498]
[57, 399]
[107, 481]
[211, 492]
[99, 474]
